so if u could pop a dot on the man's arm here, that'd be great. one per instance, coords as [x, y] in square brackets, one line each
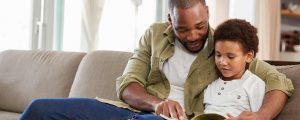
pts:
[136, 96]
[273, 103]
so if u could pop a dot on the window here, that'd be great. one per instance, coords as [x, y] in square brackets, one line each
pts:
[124, 22]
[120, 24]
[15, 24]
[59, 24]
[71, 33]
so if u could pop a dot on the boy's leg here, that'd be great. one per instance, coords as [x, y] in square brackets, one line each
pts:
[74, 109]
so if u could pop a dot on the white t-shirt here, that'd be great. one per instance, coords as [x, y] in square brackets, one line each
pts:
[235, 96]
[176, 70]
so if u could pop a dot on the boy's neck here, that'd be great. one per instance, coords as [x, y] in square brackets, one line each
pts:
[230, 78]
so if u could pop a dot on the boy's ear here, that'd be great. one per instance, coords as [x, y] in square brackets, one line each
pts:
[250, 56]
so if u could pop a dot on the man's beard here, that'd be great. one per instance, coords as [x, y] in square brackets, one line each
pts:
[186, 46]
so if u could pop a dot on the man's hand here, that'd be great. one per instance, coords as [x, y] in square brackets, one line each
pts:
[246, 115]
[171, 109]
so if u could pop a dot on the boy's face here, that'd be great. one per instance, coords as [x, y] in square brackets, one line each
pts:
[231, 59]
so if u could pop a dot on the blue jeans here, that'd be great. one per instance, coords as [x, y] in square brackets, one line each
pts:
[80, 109]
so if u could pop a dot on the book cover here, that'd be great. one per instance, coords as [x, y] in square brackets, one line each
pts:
[208, 116]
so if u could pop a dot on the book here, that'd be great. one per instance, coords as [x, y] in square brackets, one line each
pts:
[207, 116]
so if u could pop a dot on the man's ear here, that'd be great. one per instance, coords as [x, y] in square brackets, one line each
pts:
[207, 9]
[250, 56]
[169, 19]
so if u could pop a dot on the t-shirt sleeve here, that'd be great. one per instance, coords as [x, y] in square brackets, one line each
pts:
[256, 90]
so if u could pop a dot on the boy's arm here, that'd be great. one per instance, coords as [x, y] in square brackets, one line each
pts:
[269, 110]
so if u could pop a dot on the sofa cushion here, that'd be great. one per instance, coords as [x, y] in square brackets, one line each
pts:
[292, 107]
[4, 115]
[97, 73]
[25, 75]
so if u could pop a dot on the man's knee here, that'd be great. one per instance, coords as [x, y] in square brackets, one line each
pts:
[34, 110]
[36, 105]
[147, 117]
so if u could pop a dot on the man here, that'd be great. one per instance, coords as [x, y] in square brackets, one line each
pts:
[167, 75]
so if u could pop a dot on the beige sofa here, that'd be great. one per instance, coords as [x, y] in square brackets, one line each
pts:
[27, 74]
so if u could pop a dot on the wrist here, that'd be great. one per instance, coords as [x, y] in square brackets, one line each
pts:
[264, 115]
[155, 103]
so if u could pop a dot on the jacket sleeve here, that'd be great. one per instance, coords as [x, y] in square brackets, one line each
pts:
[138, 66]
[274, 80]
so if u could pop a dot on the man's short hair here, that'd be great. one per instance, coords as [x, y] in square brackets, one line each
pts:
[183, 4]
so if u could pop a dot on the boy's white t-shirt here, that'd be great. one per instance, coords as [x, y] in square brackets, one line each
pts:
[235, 96]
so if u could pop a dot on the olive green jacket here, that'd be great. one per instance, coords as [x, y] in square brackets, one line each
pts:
[157, 46]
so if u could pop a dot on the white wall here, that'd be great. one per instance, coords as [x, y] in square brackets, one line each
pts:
[221, 10]
[218, 11]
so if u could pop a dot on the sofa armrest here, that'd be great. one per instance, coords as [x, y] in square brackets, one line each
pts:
[30, 74]
[282, 63]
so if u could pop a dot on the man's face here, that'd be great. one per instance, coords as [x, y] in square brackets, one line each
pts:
[190, 26]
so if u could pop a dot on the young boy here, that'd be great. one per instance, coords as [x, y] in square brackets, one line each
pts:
[237, 89]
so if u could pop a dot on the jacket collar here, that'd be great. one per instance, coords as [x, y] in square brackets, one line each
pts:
[169, 33]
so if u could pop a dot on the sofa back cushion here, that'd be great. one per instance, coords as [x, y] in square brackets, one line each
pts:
[292, 107]
[97, 74]
[29, 74]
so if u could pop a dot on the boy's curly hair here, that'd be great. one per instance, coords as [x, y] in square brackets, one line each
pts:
[238, 30]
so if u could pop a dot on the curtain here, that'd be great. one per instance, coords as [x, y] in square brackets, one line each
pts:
[218, 11]
[268, 25]
[91, 16]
